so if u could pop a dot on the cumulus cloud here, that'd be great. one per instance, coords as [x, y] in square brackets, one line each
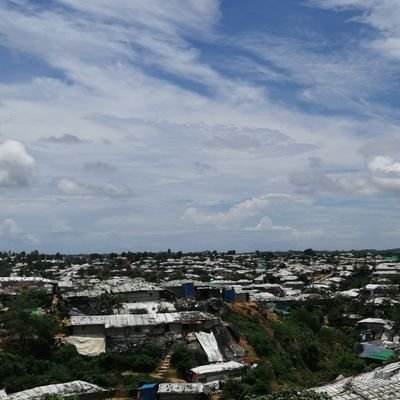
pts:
[266, 225]
[122, 58]
[247, 208]
[71, 187]
[387, 145]
[314, 183]
[61, 226]
[67, 138]
[17, 166]
[384, 165]
[11, 232]
[9, 227]
[381, 175]
[99, 167]
[385, 173]
[386, 184]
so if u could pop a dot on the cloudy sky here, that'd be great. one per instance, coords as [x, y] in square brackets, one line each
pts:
[199, 124]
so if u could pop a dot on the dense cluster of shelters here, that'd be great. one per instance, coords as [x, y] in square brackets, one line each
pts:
[119, 300]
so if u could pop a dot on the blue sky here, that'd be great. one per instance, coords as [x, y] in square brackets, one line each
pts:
[199, 124]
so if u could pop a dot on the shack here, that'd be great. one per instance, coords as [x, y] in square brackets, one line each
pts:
[376, 329]
[217, 372]
[80, 389]
[143, 325]
[183, 391]
[380, 383]
[137, 291]
[148, 391]
[16, 284]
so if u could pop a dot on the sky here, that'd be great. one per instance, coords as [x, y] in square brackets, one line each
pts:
[199, 124]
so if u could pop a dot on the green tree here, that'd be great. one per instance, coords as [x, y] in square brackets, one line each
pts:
[309, 252]
[183, 359]
[30, 330]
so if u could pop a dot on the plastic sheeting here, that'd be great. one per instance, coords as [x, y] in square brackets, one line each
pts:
[88, 345]
[3, 395]
[190, 388]
[210, 346]
[128, 320]
[381, 383]
[61, 389]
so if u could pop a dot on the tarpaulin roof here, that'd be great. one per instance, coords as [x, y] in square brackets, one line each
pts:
[182, 388]
[124, 320]
[220, 367]
[385, 355]
[381, 383]
[210, 346]
[62, 389]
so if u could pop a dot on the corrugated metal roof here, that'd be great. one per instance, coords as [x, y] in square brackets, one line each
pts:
[62, 389]
[78, 320]
[151, 307]
[118, 321]
[123, 320]
[379, 384]
[18, 279]
[134, 287]
[182, 388]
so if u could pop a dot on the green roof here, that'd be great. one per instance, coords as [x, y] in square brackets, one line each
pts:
[391, 259]
[385, 355]
[215, 284]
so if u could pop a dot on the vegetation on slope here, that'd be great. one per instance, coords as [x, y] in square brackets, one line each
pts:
[294, 350]
[297, 350]
[30, 356]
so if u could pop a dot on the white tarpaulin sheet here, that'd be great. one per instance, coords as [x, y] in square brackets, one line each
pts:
[62, 390]
[210, 346]
[88, 345]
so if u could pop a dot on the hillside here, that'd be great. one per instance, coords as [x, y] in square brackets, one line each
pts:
[293, 350]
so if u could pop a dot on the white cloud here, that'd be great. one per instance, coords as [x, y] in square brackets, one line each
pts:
[9, 227]
[99, 167]
[340, 80]
[385, 172]
[265, 225]
[61, 226]
[382, 15]
[17, 166]
[244, 209]
[67, 138]
[319, 182]
[382, 175]
[182, 127]
[384, 165]
[240, 211]
[70, 187]
[11, 232]
[386, 184]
